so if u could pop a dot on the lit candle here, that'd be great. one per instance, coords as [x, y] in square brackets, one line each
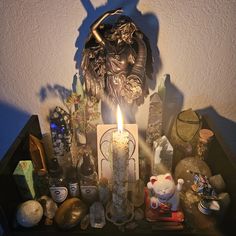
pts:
[120, 155]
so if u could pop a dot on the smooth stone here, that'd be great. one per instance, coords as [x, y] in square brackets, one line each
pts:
[49, 206]
[29, 213]
[131, 226]
[70, 213]
[218, 183]
[138, 214]
[84, 224]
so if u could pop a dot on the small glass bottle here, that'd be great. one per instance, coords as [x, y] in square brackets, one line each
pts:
[73, 185]
[87, 167]
[205, 138]
[57, 183]
[88, 179]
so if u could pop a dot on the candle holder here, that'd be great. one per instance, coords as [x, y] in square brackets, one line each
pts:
[121, 172]
[120, 146]
[104, 138]
[119, 217]
[120, 210]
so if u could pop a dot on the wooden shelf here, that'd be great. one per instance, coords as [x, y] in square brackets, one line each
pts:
[219, 161]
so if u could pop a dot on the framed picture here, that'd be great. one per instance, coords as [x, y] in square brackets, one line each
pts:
[104, 142]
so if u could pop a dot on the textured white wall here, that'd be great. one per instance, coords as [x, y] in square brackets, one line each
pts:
[196, 42]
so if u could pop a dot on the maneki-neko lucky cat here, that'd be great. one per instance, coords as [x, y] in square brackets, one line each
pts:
[164, 192]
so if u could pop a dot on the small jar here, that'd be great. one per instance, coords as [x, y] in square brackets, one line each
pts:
[205, 138]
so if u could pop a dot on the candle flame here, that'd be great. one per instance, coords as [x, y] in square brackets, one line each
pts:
[119, 119]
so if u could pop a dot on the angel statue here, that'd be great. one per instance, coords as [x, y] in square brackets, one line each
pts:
[115, 60]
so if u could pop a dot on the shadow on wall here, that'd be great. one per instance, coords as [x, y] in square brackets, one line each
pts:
[172, 104]
[226, 130]
[148, 24]
[55, 90]
[12, 120]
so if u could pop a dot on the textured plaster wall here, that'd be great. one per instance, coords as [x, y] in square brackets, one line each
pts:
[196, 41]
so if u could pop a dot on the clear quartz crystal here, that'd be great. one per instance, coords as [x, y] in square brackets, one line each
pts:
[154, 129]
[97, 215]
[163, 155]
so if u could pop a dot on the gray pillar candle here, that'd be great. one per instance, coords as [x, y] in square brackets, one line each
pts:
[120, 155]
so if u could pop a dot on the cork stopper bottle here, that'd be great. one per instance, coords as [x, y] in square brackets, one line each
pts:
[204, 141]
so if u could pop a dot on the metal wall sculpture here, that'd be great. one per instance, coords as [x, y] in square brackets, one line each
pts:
[115, 61]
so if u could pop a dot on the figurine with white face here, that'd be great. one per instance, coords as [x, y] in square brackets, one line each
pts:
[164, 191]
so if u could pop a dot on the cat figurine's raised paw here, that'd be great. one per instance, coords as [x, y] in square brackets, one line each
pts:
[164, 191]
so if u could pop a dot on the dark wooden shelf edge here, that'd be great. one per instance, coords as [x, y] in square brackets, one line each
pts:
[228, 151]
[32, 127]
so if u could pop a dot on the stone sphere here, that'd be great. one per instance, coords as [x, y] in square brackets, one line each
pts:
[186, 166]
[29, 213]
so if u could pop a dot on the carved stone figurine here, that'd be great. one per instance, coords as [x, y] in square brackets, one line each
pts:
[165, 193]
[114, 61]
